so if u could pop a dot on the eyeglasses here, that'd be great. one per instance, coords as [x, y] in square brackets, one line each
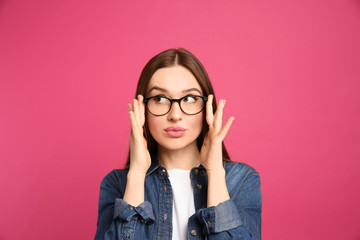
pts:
[161, 105]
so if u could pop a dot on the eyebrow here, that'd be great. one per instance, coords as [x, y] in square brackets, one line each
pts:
[184, 91]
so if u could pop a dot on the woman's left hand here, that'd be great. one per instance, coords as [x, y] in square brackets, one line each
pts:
[211, 150]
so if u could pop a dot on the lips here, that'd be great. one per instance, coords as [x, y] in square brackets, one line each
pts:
[175, 131]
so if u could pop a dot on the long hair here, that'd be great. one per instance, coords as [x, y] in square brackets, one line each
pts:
[168, 58]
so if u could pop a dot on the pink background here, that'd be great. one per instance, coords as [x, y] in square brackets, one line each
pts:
[289, 70]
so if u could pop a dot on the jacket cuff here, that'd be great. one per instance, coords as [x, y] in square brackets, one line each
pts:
[221, 218]
[125, 212]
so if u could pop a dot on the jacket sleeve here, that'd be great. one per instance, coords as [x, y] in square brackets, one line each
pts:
[237, 218]
[116, 218]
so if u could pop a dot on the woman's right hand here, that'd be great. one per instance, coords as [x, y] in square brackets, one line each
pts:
[140, 159]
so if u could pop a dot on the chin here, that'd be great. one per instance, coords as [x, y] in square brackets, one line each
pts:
[174, 144]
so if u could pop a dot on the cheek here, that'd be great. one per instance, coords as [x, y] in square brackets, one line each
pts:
[197, 122]
[154, 124]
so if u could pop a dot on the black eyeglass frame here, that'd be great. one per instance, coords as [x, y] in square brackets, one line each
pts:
[146, 100]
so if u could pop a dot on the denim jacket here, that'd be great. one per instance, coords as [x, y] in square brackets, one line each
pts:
[237, 218]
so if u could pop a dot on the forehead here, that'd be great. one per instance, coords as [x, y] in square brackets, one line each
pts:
[174, 79]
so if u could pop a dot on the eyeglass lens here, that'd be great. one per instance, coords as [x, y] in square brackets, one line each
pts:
[189, 104]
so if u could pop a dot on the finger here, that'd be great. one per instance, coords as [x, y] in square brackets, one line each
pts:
[137, 112]
[142, 109]
[133, 122]
[209, 111]
[136, 129]
[226, 128]
[130, 107]
[218, 115]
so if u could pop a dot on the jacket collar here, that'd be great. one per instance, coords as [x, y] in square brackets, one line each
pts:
[154, 164]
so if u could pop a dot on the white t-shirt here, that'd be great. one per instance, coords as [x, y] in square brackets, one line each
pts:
[183, 203]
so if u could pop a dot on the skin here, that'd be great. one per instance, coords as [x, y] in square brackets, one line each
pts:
[182, 152]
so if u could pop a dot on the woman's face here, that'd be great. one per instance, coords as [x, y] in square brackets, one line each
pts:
[175, 130]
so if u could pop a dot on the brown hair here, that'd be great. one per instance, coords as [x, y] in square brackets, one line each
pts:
[168, 58]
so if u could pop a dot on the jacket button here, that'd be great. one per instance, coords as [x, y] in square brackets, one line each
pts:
[193, 232]
[165, 216]
[199, 186]
[165, 188]
[196, 171]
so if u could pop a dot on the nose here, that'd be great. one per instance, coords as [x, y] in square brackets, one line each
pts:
[175, 113]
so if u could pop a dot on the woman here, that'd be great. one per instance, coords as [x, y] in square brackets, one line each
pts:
[179, 182]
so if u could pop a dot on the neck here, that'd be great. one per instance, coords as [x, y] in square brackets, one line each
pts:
[187, 158]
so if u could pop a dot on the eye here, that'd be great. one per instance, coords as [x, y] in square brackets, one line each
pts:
[160, 99]
[190, 99]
